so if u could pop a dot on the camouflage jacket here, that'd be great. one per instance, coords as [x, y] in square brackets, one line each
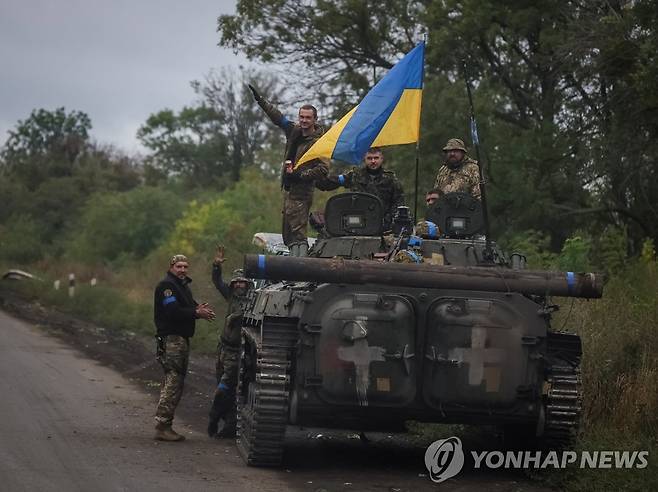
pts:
[465, 178]
[383, 184]
[301, 182]
[230, 336]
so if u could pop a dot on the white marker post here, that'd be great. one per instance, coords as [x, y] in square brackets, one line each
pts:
[71, 284]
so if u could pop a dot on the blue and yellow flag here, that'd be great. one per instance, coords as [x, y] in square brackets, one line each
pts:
[388, 115]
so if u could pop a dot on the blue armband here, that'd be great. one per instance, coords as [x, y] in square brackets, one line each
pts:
[168, 300]
[341, 179]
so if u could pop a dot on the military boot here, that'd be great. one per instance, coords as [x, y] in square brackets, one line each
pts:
[294, 249]
[229, 429]
[303, 249]
[164, 432]
[221, 405]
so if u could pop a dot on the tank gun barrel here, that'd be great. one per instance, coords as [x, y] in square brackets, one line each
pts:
[492, 279]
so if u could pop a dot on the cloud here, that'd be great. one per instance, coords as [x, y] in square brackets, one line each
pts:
[118, 61]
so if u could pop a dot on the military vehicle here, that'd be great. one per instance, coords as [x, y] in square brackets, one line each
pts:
[370, 331]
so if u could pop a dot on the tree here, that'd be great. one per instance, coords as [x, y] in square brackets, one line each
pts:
[101, 233]
[554, 85]
[189, 143]
[45, 144]
[219, 136]
[333, 45]
[242, 123]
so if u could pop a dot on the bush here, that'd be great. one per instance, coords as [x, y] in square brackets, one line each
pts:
[21, 240]
[123, 226]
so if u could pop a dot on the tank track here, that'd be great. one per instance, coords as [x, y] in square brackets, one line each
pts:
[563, 400]
[263, 405]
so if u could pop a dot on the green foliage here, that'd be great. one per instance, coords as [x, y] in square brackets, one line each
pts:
[574, 255]
[20, 240]
[620, 375]
[45, 146]
[123, 226]
[55, 133]
[344, 38]
[188, 143]
[564, 94]
[54, 204]
[210, 143]
[648, 254]
[609, 251]
[252, 205]
[534, 245]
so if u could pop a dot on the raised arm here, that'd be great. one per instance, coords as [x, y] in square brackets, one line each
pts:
[272, 112]
[217, 279]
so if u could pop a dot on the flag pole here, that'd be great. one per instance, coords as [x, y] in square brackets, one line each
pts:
[488, 250]
[416, 184]
[422, 85]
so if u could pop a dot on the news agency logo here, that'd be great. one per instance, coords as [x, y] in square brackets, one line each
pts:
[445, 458]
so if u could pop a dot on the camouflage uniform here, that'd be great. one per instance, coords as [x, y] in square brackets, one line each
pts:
[174, 362]
[299, 185]
[464, 178]
[228, 357]
[383, 184]
[174, 316]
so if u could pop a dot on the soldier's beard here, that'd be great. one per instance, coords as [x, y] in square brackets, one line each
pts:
[239, 292]
[453, 163]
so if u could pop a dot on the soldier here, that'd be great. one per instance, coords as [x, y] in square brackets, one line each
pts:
[459, 172]
[175, 312]
[373, 179]
[297, 183]
[228, 349]
[432, 196]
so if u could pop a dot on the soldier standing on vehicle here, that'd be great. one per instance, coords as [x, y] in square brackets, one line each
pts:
[175, 313]
[228, 349]
[459, 172]
[374, 179]
[298, 184]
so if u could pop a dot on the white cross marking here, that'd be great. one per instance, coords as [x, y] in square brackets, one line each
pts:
[477, 355]
[361, 355]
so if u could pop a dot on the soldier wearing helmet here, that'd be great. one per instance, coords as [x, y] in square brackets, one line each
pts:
[459, 172]
[228, 349]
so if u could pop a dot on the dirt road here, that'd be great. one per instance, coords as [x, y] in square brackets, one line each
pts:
[71, 423]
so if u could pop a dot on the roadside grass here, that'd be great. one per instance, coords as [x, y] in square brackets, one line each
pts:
[107, 307]
[620, 377]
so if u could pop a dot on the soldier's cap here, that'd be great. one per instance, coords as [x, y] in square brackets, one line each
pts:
[238, 276]
[176, 258]
[454, 144]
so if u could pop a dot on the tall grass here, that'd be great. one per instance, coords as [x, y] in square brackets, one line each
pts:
[620, 377]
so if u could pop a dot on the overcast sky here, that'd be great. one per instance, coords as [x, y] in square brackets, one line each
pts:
[116, 60]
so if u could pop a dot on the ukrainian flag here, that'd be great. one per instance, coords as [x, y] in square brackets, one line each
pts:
[388, 115]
